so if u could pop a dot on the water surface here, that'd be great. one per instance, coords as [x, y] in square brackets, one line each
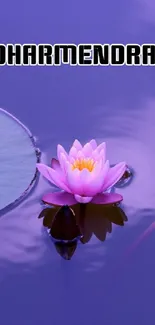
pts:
[110, 282]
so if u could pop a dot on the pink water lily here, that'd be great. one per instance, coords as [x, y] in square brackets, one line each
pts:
[83, 175]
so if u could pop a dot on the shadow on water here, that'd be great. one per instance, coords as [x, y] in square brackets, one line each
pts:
[69, 225]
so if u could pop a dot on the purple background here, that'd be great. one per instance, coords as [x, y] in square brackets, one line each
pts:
[104, 282]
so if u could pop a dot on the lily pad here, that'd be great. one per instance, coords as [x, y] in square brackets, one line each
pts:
[18, 157]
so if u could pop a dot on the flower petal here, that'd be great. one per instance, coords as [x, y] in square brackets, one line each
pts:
[77, 145]
[60, 150]
[53, 176]
[87, 150]
[101, 146]
[107, 198]
[59, 198]
[63, 162]
[45, 171]
[84, 180]
[102, 155]
[59, 182]
[73, 152]
[114, 175]
[99, 152]
[73, 181]
[82, 199]
[93, 144]
[85, 183]
[55, 164]
[80, 155]
[95, 155]
[93, 184]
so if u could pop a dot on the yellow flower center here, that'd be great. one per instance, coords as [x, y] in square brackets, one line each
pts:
[82, 163]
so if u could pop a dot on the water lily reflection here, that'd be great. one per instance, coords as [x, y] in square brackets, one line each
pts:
[66, 250]
[98, 220]
[80, 223]
[63, 229]
[84, 175]
[62, 223]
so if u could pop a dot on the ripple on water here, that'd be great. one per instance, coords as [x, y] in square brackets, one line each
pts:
[129, 135]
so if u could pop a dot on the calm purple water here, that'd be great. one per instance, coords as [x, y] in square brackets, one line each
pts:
[104, 283]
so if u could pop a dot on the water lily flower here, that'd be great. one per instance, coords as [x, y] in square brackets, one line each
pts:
[83, 175]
